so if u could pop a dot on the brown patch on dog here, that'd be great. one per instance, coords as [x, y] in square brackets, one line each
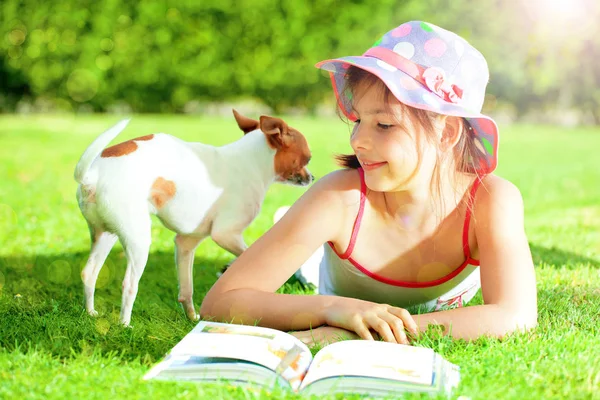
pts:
[161, 192]
[293, 153]
[293, 157]
[143, 138]
[122, 149]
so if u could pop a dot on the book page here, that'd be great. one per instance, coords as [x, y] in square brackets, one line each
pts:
[373, 359]
[195, 368]
[271, 348]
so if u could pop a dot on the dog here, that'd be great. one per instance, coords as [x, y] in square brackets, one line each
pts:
[196, 190]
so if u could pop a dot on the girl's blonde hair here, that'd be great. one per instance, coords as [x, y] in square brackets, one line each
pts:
[465, 154]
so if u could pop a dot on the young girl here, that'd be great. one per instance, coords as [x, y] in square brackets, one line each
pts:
[414, 225]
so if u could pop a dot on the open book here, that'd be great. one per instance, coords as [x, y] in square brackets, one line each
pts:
[241, 355]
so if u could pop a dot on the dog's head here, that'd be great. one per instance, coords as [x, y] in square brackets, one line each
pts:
[292, 152]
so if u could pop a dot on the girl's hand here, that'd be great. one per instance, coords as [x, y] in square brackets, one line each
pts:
[324, 335]
[362, 316]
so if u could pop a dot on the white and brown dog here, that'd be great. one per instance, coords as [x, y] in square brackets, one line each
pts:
[196, 190]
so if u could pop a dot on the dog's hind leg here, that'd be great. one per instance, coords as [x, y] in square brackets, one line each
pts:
[102, 243]
[185, 246]
[136, 239]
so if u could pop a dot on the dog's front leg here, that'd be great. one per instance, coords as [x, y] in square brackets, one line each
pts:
[185, 247]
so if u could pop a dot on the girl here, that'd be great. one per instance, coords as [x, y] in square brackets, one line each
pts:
[414, 225]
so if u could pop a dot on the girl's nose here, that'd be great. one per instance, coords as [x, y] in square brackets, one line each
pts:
[360, 138]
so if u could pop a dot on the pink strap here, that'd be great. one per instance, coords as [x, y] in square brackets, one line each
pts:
[408, 284]
[470, 204]
[361, 209]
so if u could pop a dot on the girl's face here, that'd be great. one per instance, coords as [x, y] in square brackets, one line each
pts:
[392, 150]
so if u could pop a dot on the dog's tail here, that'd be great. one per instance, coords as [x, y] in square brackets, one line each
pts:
[94, 149]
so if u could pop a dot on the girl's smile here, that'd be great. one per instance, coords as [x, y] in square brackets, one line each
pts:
[371, 165]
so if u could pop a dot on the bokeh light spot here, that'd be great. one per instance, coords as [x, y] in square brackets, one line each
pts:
[124, 19]
[106, 275]
[37, 36]
[82, 85]
[102, 326]
[107, 44]
[16, 37]
[15, 52]
[104, 62]
[59, 271]
[33, 51]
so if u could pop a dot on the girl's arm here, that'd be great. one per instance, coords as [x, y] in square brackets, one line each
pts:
[245, 292]
[507, 272]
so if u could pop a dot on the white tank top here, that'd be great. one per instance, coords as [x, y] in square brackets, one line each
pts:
[340, 275]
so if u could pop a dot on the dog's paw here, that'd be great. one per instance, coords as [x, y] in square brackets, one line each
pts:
[93, 313]
[192, 315]
[188, 309]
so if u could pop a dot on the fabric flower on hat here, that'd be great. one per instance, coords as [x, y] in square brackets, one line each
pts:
[435, 80]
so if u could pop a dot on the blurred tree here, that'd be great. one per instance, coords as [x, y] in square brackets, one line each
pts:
[586, 80]
[158, 56]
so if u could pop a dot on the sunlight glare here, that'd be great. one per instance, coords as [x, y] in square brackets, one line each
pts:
[553, 17]
[556, 11]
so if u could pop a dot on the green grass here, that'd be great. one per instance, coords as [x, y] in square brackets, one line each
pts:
[50, 348]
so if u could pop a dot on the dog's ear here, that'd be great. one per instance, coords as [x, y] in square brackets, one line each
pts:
[275, 129]
[246, 124]
[272, 125]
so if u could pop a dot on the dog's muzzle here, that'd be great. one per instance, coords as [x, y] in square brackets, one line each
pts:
[301, 180]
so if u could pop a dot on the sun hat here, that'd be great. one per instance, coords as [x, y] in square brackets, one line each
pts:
[430, 68]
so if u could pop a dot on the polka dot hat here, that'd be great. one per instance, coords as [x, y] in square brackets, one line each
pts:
[429, 68]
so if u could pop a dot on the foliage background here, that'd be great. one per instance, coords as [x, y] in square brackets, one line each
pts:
[183, 56]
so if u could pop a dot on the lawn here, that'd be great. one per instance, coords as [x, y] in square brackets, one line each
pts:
[50, 348]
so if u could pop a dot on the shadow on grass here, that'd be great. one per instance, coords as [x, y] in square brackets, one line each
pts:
[558, 257]
[42, 305]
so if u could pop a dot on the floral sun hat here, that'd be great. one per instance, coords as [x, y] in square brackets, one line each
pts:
[429, 68]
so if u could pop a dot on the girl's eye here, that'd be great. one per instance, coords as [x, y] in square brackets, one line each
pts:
[384, 126]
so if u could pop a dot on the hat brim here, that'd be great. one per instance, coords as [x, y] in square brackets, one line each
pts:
[411, 92]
